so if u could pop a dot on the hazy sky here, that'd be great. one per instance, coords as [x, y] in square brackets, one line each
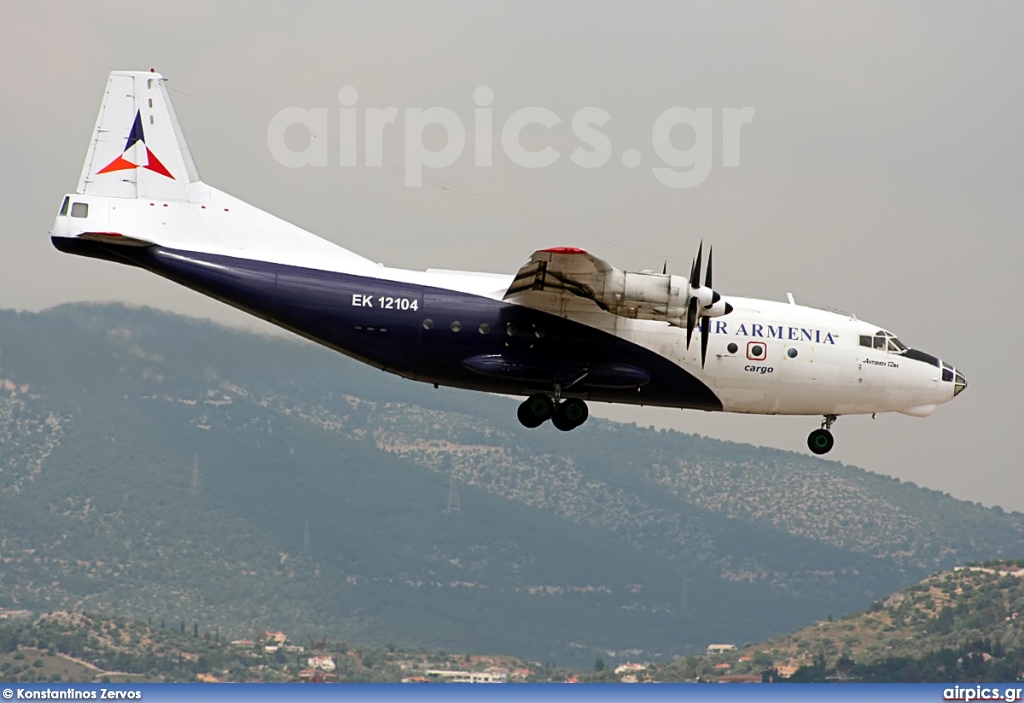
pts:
[880, 175]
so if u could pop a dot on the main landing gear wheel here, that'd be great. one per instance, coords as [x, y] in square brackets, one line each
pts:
[570, 414]
[535, 410]
[565, 416]
[821, 441]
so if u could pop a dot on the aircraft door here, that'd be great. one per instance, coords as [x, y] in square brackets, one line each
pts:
[748, 379]
[810, 365]
[454, 326]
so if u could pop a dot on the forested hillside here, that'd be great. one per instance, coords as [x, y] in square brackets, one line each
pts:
[160, 467]
[961, 625]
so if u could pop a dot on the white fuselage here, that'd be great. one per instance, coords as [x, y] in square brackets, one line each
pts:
[789, 359]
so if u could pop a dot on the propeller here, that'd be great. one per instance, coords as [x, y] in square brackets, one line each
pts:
[705, 321]
[702, 300]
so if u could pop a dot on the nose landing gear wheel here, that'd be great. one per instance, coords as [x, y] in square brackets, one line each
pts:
[570, 414]
[821, 441]
[535, 410]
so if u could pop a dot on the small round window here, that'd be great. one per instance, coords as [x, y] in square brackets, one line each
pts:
[757, 350]
[428, 324]
[791, 353]
[456, 326]
[484, 328]
[512, 330]
[732, 348]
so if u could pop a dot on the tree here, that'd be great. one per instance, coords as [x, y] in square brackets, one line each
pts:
[599, 664]
[9, 643]
[943, 623]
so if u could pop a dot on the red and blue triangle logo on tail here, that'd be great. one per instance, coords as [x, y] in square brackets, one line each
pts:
[121, 163]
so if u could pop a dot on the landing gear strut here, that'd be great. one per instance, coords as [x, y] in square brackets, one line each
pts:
[567, 415]
[821, 441]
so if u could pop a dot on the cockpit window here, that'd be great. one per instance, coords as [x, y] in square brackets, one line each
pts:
[884, 341]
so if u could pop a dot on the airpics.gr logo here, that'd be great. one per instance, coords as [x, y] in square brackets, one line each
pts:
[136, 136]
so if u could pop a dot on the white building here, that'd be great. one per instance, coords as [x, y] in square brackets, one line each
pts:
[720, 648]
[324, 663]
[443, 675]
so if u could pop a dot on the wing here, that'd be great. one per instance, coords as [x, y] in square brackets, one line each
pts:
[561, 280]
[566, 280]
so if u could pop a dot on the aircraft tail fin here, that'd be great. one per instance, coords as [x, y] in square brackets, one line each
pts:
[140, 187]
[138, 149]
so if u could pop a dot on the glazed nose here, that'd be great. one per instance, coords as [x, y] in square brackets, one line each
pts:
[951, 375]
[959, 383]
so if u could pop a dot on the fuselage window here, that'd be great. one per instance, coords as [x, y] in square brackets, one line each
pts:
[880, 343]
[865, 340]
[64, 205]
[80, 210]
[428, 324]
[512, 330]
[484, 328]
[456, 326]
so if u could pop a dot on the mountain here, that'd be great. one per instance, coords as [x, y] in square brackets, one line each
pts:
[962, 624]
[161, 467]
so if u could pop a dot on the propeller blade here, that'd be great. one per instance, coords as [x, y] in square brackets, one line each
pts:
[691, 319]
[705, 332]
[707, 275]
[664, 268]
[695, 271]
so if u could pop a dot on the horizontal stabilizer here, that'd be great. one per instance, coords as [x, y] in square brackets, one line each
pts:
[114, 238]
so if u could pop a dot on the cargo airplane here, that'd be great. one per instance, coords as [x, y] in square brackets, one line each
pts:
[566, 329]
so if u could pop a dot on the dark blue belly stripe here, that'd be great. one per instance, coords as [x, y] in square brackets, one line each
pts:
[382, 323]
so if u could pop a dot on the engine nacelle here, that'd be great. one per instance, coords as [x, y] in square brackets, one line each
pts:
[644, 294]
[659, 296]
